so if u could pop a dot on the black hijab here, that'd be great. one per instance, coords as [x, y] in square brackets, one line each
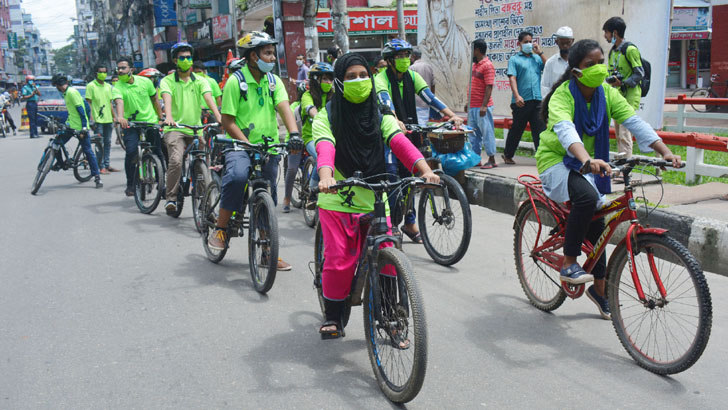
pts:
[404, 104]
[356, 127]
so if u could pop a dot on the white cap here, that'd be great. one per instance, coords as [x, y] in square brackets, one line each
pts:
[565, 32]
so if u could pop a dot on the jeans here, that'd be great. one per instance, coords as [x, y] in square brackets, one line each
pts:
[237, 172]
[584, 200]
[294, 161]
[529, 113]
[484, 130]
[131, 141]
[32, 108]
[106, 138]
[65, 135]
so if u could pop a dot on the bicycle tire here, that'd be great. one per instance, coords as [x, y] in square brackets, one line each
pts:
[702, 93]
[309, 215]
[2, 127]
[622, 298]
[81, 165]
[540, 282]
[148, 190]
[211, 210]
[201, 177]
[263, 242]
[384, 354]
[436, 228]
[43, 168]
[296, 201]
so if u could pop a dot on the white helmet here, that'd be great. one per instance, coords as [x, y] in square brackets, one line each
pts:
[565, 32]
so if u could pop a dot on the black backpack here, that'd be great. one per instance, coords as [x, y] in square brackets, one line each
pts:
[646, 66]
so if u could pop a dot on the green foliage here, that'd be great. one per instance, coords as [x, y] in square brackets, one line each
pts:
[64, 58]
[20, 53]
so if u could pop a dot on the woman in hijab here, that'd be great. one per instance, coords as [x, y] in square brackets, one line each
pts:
[350, 133]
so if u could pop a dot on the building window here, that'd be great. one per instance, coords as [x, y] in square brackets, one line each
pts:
[704, 54]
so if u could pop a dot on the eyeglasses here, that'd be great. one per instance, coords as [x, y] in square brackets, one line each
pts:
[184, 58]
[261, 101]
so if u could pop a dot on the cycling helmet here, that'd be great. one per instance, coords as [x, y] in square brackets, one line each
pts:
[150, 73]
[256, 39]
[29, 78]
[394, 46]
[320, 68]
[301, 87]
[59, 79]
[236, 64]
[181, 46]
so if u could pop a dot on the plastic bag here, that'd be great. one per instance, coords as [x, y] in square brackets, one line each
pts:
[458, 161]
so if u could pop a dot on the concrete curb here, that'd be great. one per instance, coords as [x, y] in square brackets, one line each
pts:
[706, 238]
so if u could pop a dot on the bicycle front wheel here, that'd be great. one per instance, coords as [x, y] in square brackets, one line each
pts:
[148, 183]
[81, 165]
[43, 168]
[201, 177]
[210, 211]
[394, 328]
[318, 262]
[309, 215]
[702, 93]
[663, 335]
[263, 242]
[445, 226]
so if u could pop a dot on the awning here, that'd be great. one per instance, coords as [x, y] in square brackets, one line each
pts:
[214, 63]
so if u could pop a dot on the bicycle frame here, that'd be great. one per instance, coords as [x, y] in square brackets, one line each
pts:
[624, 209]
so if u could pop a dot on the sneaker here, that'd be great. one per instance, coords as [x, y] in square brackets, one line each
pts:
[286, 209]
[575, 275]
[112, 169]
[282, 266]
[99, 184]
[602, 303]
[217, 240]
[170, 206]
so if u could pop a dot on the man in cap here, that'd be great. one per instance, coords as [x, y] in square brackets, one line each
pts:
[557, 63]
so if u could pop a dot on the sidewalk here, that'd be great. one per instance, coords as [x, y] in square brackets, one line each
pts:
[694, 215]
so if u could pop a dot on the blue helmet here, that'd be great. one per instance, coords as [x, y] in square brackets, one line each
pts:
[320, 68]
[181, 46]
[395, 46]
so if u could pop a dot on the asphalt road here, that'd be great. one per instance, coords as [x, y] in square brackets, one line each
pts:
[103, 307]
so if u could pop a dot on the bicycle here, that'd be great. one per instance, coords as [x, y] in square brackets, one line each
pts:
[262, 226]
[56, 149]
[392, 305]
[4, 125]
[709, 92]
[195, 173]
[149, 175]
[650, 276]
[301, 195]
[439, 209]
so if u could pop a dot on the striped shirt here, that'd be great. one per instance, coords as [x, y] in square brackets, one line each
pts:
[483, 75]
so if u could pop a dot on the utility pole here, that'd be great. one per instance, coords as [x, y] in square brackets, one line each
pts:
[310, 7]
[400, 19]
[340, 20]
[234, 9]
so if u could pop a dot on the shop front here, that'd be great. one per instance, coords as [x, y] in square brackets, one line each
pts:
[690, 44]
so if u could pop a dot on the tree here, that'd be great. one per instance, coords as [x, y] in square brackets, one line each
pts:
[20, 53]
[310, 7]
[64, 58]
[340, 20]
[400, 19]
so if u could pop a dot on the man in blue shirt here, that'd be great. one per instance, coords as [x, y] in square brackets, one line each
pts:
[524, 74]
[31, 95]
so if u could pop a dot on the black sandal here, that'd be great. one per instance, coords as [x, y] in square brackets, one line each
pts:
[414, 237]
[331, 334]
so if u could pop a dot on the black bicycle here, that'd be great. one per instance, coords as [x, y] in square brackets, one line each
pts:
[149, 175]
[394, 317]
[57, 150]
[260, 220]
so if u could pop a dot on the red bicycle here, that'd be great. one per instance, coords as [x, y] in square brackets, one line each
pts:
[658, 296]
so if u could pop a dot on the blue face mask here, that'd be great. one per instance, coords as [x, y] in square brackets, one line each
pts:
[265, 67]
[31, 83]
[614, 39]
[527, 48]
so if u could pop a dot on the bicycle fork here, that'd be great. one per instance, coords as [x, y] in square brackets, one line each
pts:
[631, 236]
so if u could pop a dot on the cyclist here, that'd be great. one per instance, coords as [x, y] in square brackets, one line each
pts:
[31, 95]
[77, 120]
[401, 100]
[248, 114]
[578, 112]
[181, 92]
[98, 95]
[5, 104]
[198, 68]
[350, 135]
[136, 100]
[321, 79]
[294, 156]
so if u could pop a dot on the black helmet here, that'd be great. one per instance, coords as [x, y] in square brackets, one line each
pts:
[59, 79]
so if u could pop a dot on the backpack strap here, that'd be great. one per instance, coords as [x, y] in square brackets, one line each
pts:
[623, 51]
[243, 84]
[271, 84]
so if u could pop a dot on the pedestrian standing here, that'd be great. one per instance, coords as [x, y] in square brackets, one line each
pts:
[31, 95]
[480, 114]
[302, 69]
[98, 95]
[524, 73]
[425, 70]
[559, 62]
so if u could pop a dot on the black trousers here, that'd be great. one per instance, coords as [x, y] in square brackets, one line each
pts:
[584, 200]
[529, 113]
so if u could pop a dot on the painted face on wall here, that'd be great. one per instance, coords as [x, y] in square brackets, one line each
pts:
[441, 14]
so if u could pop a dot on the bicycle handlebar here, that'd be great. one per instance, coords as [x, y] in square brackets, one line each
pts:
[378, 187]
[141, 124]
[629, 163]
[197, 127]
[256, 147]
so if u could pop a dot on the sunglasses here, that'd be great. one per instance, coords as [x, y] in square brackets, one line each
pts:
[261, 101]
[185, 58]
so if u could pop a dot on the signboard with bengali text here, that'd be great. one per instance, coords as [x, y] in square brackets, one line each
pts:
[362, 22]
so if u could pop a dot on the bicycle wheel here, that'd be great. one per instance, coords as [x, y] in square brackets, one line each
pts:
[201, 177]
[44, 167]
[445, 230]
[318, 262]
[665, 336]
[81, 165]
[297, 187]
[3, 125]
[702, 93]
[393, 318]
[309, 215]
[263, 242]
[210, 211]
[540, 282]
[148, 183]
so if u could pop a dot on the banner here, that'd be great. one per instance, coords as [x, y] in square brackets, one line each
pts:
[690, 18]
[200, 4]
[164, 13]
[366, 22]
[221, 25]
[13, 40]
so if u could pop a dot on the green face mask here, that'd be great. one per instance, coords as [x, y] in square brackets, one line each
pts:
[184, 65]
[358, 90]
[101, 76]
[402, 64]
[124, 78]
[382, 69]
[326, 87]
[593, 76]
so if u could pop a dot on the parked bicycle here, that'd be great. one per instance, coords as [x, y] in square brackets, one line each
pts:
[395, 328]
[260, 219]
[658, 296]
[149, 175]
[56, 152]
[710, 92]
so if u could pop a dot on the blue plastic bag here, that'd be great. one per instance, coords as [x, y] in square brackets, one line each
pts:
[458, 161]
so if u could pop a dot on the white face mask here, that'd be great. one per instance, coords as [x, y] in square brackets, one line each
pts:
[299, 62]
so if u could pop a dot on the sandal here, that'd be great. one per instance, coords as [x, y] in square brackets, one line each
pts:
[415, 237]
[398, 340]
[508, 161]
[331, 334]
[488, 165]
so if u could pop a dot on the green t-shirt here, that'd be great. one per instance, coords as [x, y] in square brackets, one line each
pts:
[100, 96]
[624, 65]
[136, 98]
[73, 99]
[184, 95]
[250, 111]
[381, 83]
[306, 129]
[356, 199]
[561, 108]
[214, 87]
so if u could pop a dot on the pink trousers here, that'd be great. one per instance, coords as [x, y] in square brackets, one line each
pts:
[344, 237]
